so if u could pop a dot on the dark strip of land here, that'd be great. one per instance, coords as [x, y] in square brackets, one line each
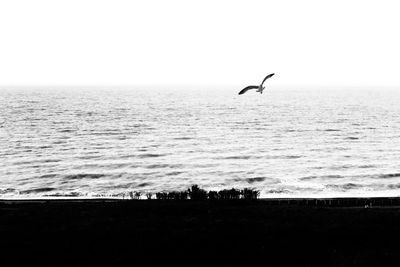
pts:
[299, 232]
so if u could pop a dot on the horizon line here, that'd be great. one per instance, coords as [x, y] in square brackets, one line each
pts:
[193, 86]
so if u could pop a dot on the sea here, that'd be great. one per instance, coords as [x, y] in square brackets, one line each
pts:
[287, 142]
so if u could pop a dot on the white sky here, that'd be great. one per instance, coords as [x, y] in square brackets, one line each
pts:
[91, 43]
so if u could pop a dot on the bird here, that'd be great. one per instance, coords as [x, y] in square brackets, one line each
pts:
[260, 88]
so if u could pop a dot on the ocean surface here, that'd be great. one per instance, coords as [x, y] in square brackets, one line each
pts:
[287, 142]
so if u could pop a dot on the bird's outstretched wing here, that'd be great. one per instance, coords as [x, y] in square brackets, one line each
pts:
[267, 77]
[244, 90]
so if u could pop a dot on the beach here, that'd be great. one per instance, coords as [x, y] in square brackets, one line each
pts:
[297, 232]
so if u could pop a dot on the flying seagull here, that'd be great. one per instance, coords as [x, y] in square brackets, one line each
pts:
[260, 88]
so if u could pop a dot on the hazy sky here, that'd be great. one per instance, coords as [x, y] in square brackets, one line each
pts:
[84, 42]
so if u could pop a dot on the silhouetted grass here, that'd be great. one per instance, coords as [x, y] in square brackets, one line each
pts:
[197, 193]
[135, 195]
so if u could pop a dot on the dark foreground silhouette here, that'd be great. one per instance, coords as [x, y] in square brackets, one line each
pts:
[196, 193]
[190, 232]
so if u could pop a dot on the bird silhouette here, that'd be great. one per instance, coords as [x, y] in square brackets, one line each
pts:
[260, 88]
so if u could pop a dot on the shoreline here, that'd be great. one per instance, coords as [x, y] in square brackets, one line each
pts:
[320, 202]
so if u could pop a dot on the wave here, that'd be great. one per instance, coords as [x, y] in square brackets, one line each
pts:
[36, 161]
[292, 131]
[182, 138]
[83, 176]
[67, 130]
[255, 180]
[65, 194]
[158, 166]
[278, 191]
[150, 155]
[89, 157]
[389, 175]
[352, 138]
[8, 191]
[367, 166]
[237, 157]
[393, 186]
[173, 173]
[344, 187]
[37, 190]
[331, 130]
[143, 184]
[322, 177]
[45, 176]
[292, 157]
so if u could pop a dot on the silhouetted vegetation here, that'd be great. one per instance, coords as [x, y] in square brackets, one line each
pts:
[229, 194]
[250, 193]
[135, 195]
[161, 195]
[213, 195]
[177, 195]
[197, 193]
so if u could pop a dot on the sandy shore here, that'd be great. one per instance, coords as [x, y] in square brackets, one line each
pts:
[300, 232]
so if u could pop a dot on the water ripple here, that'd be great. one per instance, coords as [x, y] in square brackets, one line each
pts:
[104, 142]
